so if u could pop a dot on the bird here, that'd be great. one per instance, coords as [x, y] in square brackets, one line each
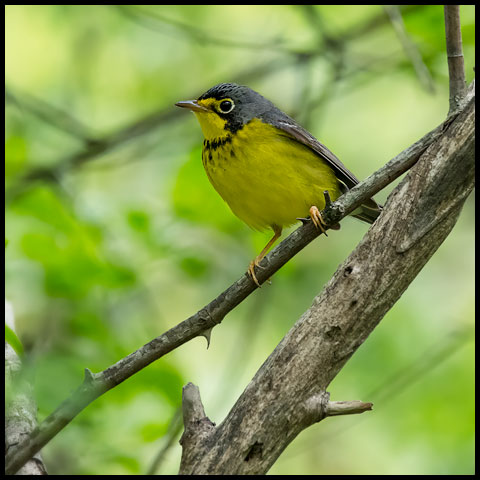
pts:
[268, 169]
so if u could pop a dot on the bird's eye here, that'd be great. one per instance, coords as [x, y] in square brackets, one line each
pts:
[226, 106]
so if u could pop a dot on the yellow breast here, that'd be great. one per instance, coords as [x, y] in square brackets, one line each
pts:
[266, 177]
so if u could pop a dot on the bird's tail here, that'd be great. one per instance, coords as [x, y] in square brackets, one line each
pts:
[368, 212]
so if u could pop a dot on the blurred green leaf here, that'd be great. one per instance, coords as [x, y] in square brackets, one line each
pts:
[153, 431]
[165, 379]
[138, 220]
[42, 204]
[15, 154]
[13, 340]
[129, 462]
[194, 266]
[71, 267]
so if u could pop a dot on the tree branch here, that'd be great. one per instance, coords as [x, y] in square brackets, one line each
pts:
[288, 393]
[200, 431]
[409, 47]
[456, 67]
[21, 408]
[212, 314]
[49, 114]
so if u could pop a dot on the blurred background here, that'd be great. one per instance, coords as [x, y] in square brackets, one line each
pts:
[115, 234]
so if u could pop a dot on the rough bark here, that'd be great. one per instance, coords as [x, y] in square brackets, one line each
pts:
[288, 392]
[202, 322]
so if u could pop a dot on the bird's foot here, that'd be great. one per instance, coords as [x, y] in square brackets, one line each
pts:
[317, 219]
[251, 270]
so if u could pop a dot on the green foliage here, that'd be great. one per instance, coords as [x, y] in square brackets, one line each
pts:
[139, 221]
[13, 340]
[16, 152]
[68, 249]
[115, 234]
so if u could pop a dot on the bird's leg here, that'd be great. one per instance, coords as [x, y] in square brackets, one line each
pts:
[317, 219]
[277, 231]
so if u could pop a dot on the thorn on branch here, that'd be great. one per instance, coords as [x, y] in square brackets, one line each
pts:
[89, 377]
[207, 333]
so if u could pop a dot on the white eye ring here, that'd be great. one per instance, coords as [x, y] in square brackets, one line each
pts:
[229, 108]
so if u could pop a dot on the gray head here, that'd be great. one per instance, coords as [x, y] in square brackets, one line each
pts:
[235, 104]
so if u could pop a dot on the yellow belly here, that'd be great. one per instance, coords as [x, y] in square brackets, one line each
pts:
[268, 179]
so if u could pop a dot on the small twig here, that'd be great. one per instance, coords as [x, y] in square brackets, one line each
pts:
[319, 406]
[402, 379]
[50, 114]
[409, 47]
[347, 407]
[456, 66]
[156, 22]
[168, 441]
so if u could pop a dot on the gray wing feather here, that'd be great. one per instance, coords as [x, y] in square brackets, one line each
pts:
[343, 174]
[300, 134]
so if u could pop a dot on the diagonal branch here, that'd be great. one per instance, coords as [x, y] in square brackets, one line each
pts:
[287, 394]
[50, 114]
[212, 314]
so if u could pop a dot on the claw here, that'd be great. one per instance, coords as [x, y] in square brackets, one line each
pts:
[317, 219]
[251, 271]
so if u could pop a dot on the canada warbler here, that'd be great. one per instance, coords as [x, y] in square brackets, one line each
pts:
[268, 168]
